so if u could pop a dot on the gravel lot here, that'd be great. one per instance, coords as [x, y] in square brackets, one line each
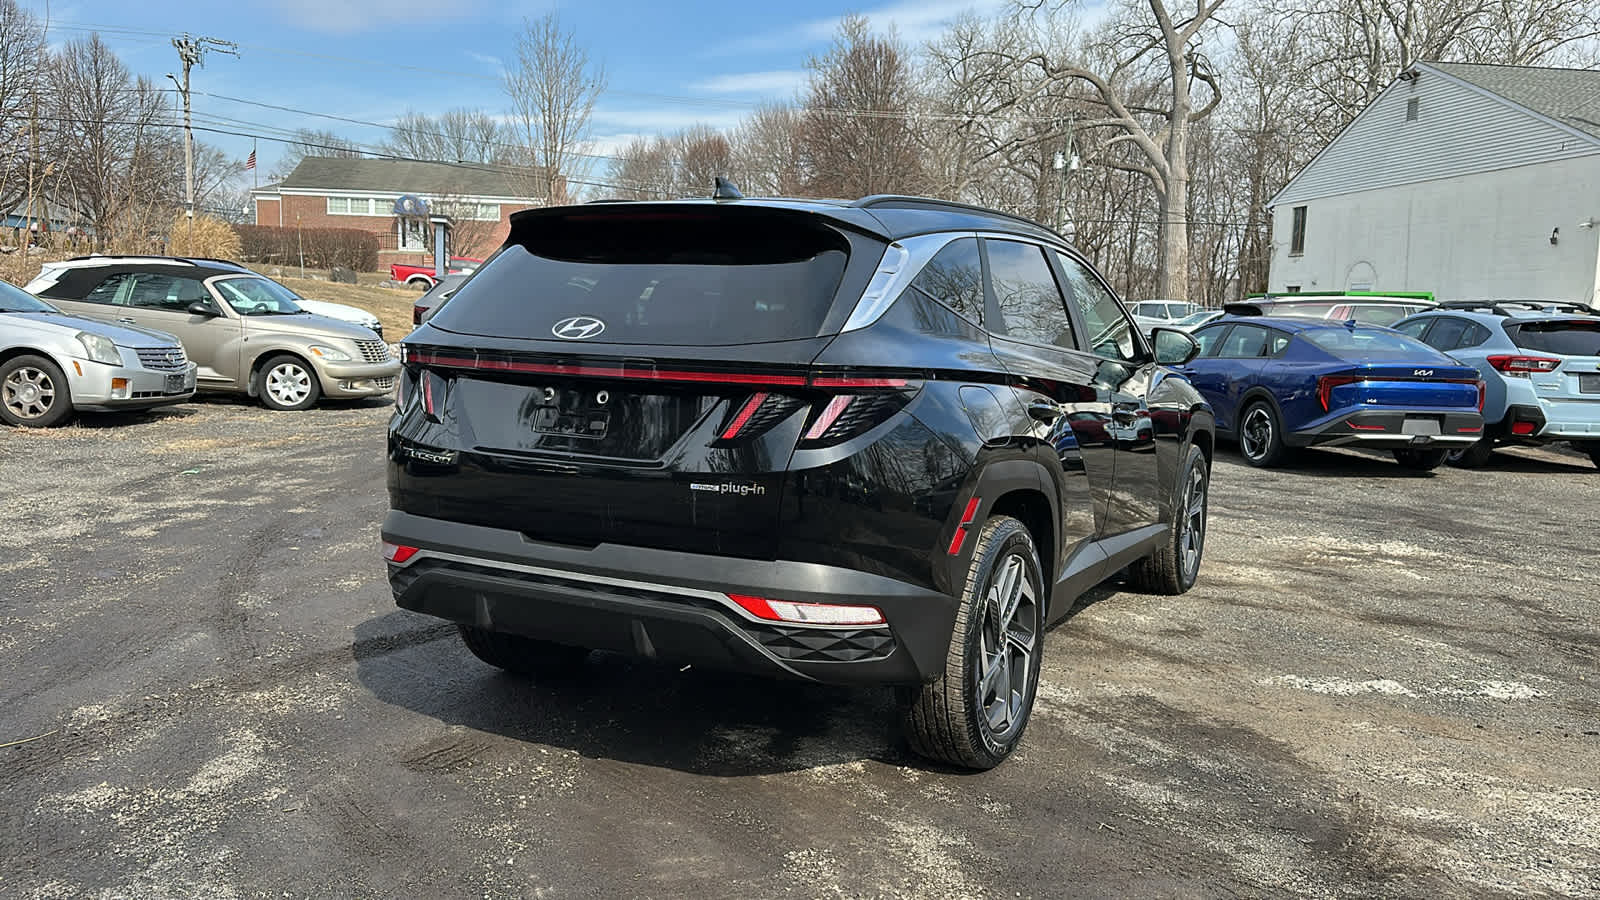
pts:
[1384, 685]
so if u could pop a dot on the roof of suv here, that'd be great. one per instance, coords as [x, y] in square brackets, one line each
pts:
[203, 266]
[888, 216]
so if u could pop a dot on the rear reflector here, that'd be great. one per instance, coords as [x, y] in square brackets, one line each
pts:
[398, 553]
[960, 537]
[807, 613]
[1366, 427]
[1522, 427]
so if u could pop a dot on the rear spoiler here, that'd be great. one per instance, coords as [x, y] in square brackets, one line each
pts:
[1242, 309]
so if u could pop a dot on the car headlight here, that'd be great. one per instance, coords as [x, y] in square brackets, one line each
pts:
[329, 353]
[100, 348]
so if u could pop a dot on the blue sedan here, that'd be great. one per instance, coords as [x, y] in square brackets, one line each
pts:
[1277, 383]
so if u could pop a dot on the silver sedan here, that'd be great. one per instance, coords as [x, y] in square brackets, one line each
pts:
[52, 364]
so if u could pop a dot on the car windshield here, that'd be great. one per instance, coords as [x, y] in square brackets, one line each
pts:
[1567, 337]
[1371, 343]
[16, 300]
[1374, 314]
[256, 296]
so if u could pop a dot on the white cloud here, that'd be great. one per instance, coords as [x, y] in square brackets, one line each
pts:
[914, 21]
[655, 120]
[780, 81]
[344, 16]
[485, 59]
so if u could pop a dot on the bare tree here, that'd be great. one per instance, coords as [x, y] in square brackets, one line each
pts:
[702, 154]
[553, 88]
[457, 135]
[643, 170]
[857, 138]
[766, 152]
[22, 69]
[312, 142]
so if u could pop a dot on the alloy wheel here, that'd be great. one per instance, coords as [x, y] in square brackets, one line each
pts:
[1192, 536]
[289, 384]
[1008, 638]
[1255, 436]
[28, 392]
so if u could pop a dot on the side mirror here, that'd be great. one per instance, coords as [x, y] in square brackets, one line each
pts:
[202, 308]
[1174, 347]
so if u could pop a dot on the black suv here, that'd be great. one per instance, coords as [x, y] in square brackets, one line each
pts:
[882, 441]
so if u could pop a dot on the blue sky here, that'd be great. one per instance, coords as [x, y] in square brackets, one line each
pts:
[670, 65]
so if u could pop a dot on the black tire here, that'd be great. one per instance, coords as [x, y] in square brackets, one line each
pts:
[274, 384]
[952, 718]
[1473, 455]
[1173, 567]
[34, 392]
[520, 655]
[1260, 434]
[1593, 448]
[1419, 460]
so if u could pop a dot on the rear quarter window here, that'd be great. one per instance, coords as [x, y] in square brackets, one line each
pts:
[698, 278]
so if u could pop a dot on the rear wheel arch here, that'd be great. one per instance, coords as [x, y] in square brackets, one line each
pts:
[1032, 508]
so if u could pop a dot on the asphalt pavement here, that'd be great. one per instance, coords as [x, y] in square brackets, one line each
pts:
[1384, 685]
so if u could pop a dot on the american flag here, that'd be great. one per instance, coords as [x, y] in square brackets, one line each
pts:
[250, 161]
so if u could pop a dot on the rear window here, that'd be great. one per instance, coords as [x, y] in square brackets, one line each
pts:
[1371, 343]
[1575, 338]
[688, 279]
[1314, 310]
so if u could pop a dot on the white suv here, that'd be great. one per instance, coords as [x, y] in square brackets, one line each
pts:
[1162, 313]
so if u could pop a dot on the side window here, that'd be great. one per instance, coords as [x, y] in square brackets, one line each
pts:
[954, 277]
[1110, 332]
[1476, 334]
[1414, 329]
[166, 292]
[1447, 332]
[1210, 340]
[106, 291]
[1277, 342]
[1245, 342]
[1030, 304]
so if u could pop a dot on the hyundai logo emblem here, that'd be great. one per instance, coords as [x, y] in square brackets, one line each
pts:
[577, 328]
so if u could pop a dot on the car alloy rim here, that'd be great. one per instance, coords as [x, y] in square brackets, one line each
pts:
[288, 384]
[1008, 635]
[1192, 537]
[29, 393]
[1256, 435]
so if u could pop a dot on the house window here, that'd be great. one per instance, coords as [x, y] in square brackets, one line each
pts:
[413, 234]
[1412, 107]
[1297, 232]
[358, 206]
[476, 212]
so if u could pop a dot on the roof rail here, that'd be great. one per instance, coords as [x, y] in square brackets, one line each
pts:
[906, 201]
[1368, 295]
[1504, 307]
[213, 259]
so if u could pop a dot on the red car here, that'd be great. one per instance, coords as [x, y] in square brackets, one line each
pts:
[406, 273]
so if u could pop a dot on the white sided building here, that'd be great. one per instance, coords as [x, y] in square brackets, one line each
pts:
[1475, 182]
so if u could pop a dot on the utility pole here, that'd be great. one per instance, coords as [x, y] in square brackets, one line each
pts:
[192, 52]
[1066, 162]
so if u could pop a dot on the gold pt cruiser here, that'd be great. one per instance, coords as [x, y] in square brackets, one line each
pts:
[243, 330]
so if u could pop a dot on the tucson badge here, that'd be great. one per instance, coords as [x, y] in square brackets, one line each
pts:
[576, 328]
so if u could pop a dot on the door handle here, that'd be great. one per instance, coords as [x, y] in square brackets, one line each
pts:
[1044, 410]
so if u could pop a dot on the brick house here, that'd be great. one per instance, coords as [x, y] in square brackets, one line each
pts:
[333, 192]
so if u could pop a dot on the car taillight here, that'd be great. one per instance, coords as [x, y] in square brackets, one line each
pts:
[399, 553]
[1483, 392]
[1325, 386]
[416, 315]
[746, 412]
[1523, 366]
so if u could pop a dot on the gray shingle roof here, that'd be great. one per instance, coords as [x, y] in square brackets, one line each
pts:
[1570, 96]
[410, 177]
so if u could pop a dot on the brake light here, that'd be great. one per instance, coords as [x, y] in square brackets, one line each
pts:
[825, 381]
[830, 414]
[399, 553]
[1483, 391]
[416, 315]
[1523, 366]
[743, 418]
[807, 613]
[1325, 386]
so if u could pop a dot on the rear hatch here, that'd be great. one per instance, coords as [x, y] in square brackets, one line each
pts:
[635, 374]
[1561, 357]
[1388, 369]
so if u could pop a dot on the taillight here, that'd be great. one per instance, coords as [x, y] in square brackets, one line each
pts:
[744, 416]
[830, 414]
[416, 315]
[1325, 386]
[1523, 366]
[1483, 391]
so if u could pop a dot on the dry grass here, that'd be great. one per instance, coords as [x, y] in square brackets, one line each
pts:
[392, 306]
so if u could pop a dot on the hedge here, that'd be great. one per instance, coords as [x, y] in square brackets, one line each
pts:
[324, 247]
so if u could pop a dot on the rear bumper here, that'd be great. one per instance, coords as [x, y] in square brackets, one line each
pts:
[668, 605]
[1380, 428]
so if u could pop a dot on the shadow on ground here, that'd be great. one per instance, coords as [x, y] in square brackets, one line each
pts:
[615, 707]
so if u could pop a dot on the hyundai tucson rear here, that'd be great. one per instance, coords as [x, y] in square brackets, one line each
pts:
[851, 443]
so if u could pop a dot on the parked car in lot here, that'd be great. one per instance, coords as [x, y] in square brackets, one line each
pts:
[341, 311]
[1281, 383]
[798, 438]
[435, 297]
[423, 275]
[245, 331]
[1190, 323]
[1161, 313]
[1540, 362]
[52, 364]
[1366, 309]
